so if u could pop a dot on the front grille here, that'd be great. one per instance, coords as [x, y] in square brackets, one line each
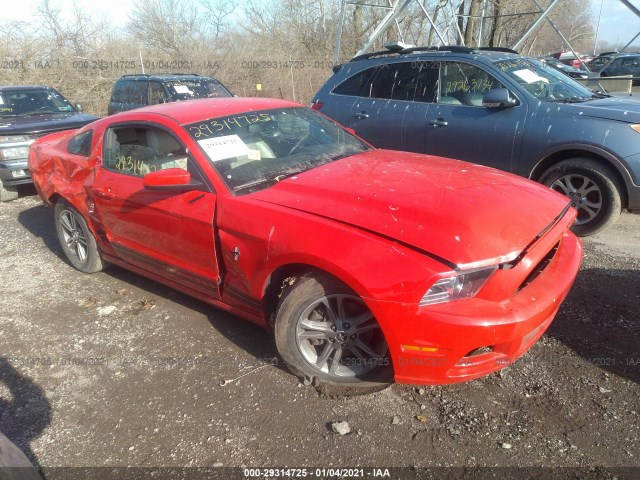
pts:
[540, 267]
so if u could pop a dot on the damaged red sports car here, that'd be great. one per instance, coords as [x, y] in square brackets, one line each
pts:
[367, 265]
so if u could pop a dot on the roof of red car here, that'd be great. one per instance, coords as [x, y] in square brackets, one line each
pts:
[194, 110]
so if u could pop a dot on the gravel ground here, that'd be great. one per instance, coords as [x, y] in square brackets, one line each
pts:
[114, 370]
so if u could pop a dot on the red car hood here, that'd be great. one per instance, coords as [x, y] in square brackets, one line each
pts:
[458, 211]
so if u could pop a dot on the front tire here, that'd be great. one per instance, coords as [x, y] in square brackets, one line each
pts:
[593, 190]
[324, 330]
[76, 239]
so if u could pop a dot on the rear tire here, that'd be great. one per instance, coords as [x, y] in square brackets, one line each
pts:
[324, 330]
[8, 193]
[593, 189]
[76, 239]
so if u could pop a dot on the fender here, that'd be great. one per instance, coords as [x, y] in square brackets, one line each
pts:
[616, 162]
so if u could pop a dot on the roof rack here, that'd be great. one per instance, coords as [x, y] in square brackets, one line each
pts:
[393, 49]
[381, 53]
[147, 75]
[499, 49]
[442, 48]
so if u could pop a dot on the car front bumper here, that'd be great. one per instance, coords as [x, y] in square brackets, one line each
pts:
[466, 339]
[14, 172]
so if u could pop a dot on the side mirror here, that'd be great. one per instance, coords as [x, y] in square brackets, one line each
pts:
[79, 108]
[498, 98]
[168, 179]
[350, 130]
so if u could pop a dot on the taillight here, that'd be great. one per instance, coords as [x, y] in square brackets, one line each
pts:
[317, 105]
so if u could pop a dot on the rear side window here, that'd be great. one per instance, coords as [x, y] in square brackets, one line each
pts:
[81, 144]
[355, 84]
[130, 91]
[408, 81]
[139, 93]
[156, 93]
[121, 91]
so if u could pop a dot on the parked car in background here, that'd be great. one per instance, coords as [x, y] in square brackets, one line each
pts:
[498, 109]
[135, 91]
[366, 264]
[617, 65]
[564, 68]
[26, 113]
[568, 58]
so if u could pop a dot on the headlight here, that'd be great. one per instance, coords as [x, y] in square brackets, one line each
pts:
[13, 139]
[14, 153]
[463, 284]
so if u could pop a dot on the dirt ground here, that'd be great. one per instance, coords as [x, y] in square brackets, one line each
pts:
[164, 380]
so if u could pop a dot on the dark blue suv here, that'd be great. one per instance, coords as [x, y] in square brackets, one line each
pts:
[496, 108]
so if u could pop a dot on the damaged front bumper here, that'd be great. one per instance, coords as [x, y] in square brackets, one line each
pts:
[467, 339]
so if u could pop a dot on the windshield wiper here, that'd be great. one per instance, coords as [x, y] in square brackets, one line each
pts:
[40, 112]
[571, 100]
[274, 177]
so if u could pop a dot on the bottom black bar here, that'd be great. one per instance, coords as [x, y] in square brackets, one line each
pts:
[324, 473]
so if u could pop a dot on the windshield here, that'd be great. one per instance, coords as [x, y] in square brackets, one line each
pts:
[543, 81]
[254, 150]
[199, 88]
[14, 103]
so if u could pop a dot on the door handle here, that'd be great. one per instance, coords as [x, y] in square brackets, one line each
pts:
[439, 122]
[361, 115]
[107, 195]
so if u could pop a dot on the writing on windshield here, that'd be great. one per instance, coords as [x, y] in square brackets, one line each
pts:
[253, 150]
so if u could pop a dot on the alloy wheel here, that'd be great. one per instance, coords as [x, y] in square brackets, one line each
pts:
[338, 335]
[584, 193]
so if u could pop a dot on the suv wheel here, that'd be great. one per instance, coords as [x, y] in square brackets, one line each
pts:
[593, 189]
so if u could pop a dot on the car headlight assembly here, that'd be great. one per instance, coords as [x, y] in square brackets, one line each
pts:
[5, 139]
[463, 284]
[14, 153]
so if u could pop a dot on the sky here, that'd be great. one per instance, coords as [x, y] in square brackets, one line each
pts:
[618, 23]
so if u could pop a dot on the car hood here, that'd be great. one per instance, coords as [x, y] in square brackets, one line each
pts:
[621, 109]
[457, 211]
[46, 122]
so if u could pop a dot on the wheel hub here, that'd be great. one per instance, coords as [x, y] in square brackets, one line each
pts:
[341, 336]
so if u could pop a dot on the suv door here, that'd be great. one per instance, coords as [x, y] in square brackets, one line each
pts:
[630, 66]
[459, 127]
[393, 99]
[169, 233]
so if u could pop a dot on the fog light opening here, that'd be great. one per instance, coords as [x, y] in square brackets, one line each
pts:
[479, 351]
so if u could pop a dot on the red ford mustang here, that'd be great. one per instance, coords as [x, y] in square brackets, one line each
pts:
[366, 264]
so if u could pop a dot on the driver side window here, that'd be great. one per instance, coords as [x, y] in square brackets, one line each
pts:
[464, 84]
[139, 149]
